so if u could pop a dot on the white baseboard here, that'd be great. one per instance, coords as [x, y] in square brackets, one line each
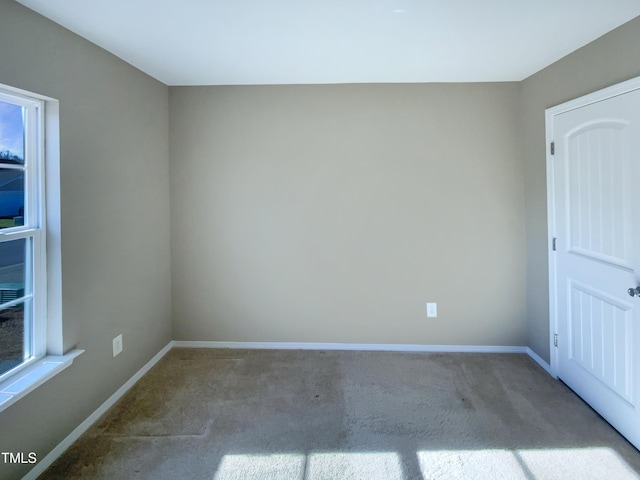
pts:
[46, 462]
[538, 359]
[369, 347]
[353, 346]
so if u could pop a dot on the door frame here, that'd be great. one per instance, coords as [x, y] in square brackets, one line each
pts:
[550, 113]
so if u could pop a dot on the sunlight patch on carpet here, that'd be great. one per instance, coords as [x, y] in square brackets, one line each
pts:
[494, 464]
[525, 464]
[566, 462]
[369, 466]
[530, 464]
[258, 467]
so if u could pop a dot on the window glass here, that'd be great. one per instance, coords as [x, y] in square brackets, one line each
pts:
[12, 178]
[11, 133]
[11, 198]
[15, 336]
[12, 270]
[15, 328]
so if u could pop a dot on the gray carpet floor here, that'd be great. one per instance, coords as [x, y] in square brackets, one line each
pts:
[277, 414]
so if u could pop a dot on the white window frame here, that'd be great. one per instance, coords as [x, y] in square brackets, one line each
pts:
[42, 226]
[32, 231]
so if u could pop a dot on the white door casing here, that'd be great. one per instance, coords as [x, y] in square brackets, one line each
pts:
[594, 216]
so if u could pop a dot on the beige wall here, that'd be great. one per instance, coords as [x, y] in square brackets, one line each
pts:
[333, 213]
[611, 59]
[115, 221]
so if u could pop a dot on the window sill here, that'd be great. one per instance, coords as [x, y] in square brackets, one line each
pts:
[27, 380]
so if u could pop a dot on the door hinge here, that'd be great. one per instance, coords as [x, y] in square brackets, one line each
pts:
[553, 148]
[554, 244]
[555, 339]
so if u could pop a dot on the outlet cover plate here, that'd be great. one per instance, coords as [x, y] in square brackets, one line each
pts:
[117, 345]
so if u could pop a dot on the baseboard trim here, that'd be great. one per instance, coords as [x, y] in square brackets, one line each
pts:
[538, 359]
[353, 346]
[46, 462]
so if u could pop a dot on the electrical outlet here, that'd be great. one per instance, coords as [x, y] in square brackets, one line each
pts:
[117, 345]
[432, 310]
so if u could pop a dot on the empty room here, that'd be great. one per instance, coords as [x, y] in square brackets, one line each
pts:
[385, 239]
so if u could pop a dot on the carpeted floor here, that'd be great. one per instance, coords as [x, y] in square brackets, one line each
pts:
[277, 414]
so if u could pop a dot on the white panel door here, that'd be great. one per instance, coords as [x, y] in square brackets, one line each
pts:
[596, 171]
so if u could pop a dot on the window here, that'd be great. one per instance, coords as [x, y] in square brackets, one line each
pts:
[32, 349]
[23, 279]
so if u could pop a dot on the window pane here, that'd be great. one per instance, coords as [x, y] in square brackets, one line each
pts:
[12, 270]
[15, 336]
[11, 133]
[15, 321]
[11, 198]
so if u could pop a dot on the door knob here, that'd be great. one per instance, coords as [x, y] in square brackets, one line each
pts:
[634, 291]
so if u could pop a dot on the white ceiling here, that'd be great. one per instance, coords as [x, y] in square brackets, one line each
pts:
[236, 42]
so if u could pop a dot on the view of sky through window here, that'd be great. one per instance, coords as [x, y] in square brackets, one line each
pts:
[11, 131]
[12, 176]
